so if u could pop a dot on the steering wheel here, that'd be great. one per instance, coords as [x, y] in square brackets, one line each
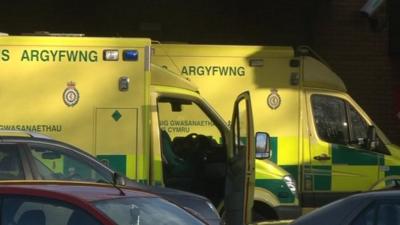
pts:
[74, 176]
[192, 143]
[198, 145]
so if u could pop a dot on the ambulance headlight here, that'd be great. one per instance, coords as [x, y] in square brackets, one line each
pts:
[290, 183]
[110, 55]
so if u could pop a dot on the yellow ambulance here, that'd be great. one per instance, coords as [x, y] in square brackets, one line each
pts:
[318, 132]
[104, 95]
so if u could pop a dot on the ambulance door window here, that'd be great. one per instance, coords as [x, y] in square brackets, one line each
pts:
[359, 131]
[358, 126]
[180, 118]
[193, 150]
[240, 130]
[187, 132]
[330, 119]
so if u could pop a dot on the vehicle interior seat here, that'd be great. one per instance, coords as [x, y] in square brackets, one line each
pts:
[178, 173]
[9, 168]
[32, 217]
[80, 218]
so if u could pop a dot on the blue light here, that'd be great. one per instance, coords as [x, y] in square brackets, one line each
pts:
[130, 55]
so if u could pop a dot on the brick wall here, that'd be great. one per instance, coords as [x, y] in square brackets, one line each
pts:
[360, 56]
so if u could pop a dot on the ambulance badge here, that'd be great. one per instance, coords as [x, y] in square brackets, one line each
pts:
[71, 94]
[274, 100]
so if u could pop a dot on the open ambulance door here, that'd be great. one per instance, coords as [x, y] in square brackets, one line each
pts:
[240, 179]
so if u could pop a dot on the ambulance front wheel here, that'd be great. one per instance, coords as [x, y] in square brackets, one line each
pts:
[262, 212]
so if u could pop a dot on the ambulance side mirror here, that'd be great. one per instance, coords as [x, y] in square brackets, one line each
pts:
[372, 141]
[262, 145]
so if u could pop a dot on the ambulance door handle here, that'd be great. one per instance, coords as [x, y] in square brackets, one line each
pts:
[322, 157]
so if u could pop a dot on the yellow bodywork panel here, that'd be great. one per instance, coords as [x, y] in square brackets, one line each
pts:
[125, 127]
[355, 178]
[318, 75]
[107, 126]
[290, 146]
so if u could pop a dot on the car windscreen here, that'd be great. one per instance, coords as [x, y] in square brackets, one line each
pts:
[145, 211]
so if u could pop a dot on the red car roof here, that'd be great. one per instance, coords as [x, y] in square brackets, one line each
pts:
[60, 190]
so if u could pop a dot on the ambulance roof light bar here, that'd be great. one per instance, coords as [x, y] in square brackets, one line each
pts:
[46, 33]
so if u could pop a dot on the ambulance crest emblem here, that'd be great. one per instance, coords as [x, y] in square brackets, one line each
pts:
[71, 94]
[274, 99]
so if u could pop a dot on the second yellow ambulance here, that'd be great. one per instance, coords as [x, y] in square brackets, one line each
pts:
[318, 132]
